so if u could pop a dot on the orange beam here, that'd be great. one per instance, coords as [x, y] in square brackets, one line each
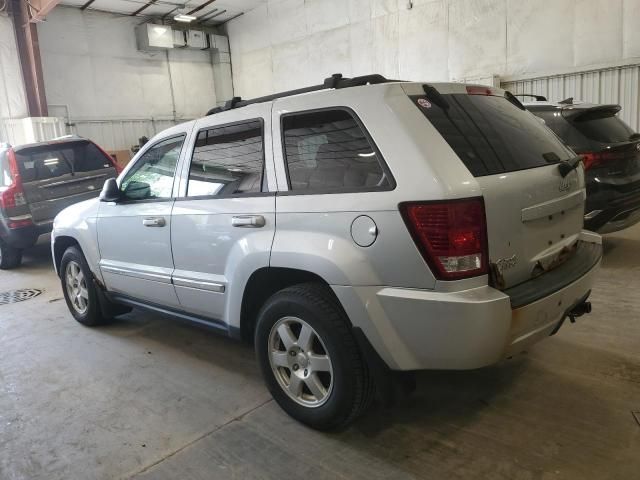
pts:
[41, 9]
[30, 61]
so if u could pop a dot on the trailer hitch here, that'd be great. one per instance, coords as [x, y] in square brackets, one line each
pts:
[579, 310]
[581, 307]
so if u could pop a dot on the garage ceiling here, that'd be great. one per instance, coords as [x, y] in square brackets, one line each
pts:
[209, 12]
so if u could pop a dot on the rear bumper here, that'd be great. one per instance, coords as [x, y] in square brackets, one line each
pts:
[420, 329]
[609, 210]
[23, 237]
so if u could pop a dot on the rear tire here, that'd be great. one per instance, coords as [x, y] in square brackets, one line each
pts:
[309, 358]
[80, 290]
[10, 257]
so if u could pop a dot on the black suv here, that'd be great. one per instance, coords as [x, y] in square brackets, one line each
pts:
[37, 181]
[610, 152]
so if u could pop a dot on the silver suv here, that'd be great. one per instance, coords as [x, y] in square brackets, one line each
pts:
[348, 230]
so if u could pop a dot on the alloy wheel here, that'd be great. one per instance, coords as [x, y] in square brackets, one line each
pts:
[77, 287]
[300, 362]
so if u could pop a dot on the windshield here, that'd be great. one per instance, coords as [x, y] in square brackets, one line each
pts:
[491, 135]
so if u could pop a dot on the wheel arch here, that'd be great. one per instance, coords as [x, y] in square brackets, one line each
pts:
[262, 284]
[60, 245]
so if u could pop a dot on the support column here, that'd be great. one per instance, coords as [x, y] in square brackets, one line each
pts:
[30, 62]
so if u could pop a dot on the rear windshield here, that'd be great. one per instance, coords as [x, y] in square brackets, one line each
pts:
[605, 129]
[51, 161]
[579, 134]
[491, 135]
[563, 129]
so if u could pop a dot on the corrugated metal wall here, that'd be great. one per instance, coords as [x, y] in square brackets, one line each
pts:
[619, 85]
[109, 134]
[119, 134]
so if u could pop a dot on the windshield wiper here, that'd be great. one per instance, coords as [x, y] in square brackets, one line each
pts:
[567, 166]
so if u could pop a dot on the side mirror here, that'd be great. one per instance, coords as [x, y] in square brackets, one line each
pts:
[110, 191]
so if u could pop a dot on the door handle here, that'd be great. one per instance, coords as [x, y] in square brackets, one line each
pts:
[248, 221]
[154, 222]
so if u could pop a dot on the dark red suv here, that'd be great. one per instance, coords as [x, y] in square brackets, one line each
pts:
[37, 181]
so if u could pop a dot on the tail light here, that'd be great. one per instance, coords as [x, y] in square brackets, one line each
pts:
[596, 159]
[451, 235]
[13, 195]
[112, 161]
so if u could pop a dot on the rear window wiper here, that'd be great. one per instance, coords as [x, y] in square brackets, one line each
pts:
[567, 166]
[435, 97]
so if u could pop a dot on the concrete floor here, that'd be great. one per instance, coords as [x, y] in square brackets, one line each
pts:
[150, 398]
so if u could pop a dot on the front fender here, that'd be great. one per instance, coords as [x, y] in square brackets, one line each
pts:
[78, 222]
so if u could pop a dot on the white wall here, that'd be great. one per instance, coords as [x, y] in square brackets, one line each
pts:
[12, 98]
[292, 43]
[95, 75]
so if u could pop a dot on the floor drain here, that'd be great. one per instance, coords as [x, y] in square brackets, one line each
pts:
[15, 296]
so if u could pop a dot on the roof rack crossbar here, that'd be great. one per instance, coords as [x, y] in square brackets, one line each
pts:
[335, 81]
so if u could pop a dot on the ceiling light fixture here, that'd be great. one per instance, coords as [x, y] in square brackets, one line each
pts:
[181, 17]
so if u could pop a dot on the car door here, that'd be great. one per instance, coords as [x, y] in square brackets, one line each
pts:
[134, 234]
[224, 218]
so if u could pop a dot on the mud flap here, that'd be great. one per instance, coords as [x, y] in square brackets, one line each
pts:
[390, 385]
[108, 308]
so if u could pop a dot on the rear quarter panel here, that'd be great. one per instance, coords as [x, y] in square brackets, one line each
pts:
[314, 230]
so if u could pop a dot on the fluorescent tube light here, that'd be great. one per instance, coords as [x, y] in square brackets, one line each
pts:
[181, 17]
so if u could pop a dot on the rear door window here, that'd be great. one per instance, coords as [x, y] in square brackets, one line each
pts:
[228, 160]
[491, 135]
[51, 161]
[328, 150]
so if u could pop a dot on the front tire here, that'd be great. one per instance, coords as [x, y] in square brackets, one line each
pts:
[10, 257]
[80, 291]
[309, 358]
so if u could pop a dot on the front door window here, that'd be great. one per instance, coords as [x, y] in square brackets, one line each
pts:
[152, 175]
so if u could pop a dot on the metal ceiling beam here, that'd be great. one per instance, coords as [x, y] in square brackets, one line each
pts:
[213, 13]
[229, 19]
[144, 7]
[169, 13]
[86, 5]
[30, 61]
[197, 9]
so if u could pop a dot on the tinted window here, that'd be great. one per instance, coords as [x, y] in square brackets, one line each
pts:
[491, 135]
[152, 175]
[227, 160]
[605, 129]
[50, 161]
[328, 150]
[563, 129]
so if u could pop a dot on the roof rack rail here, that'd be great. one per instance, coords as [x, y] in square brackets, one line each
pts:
[539, 98]
[336, 81]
